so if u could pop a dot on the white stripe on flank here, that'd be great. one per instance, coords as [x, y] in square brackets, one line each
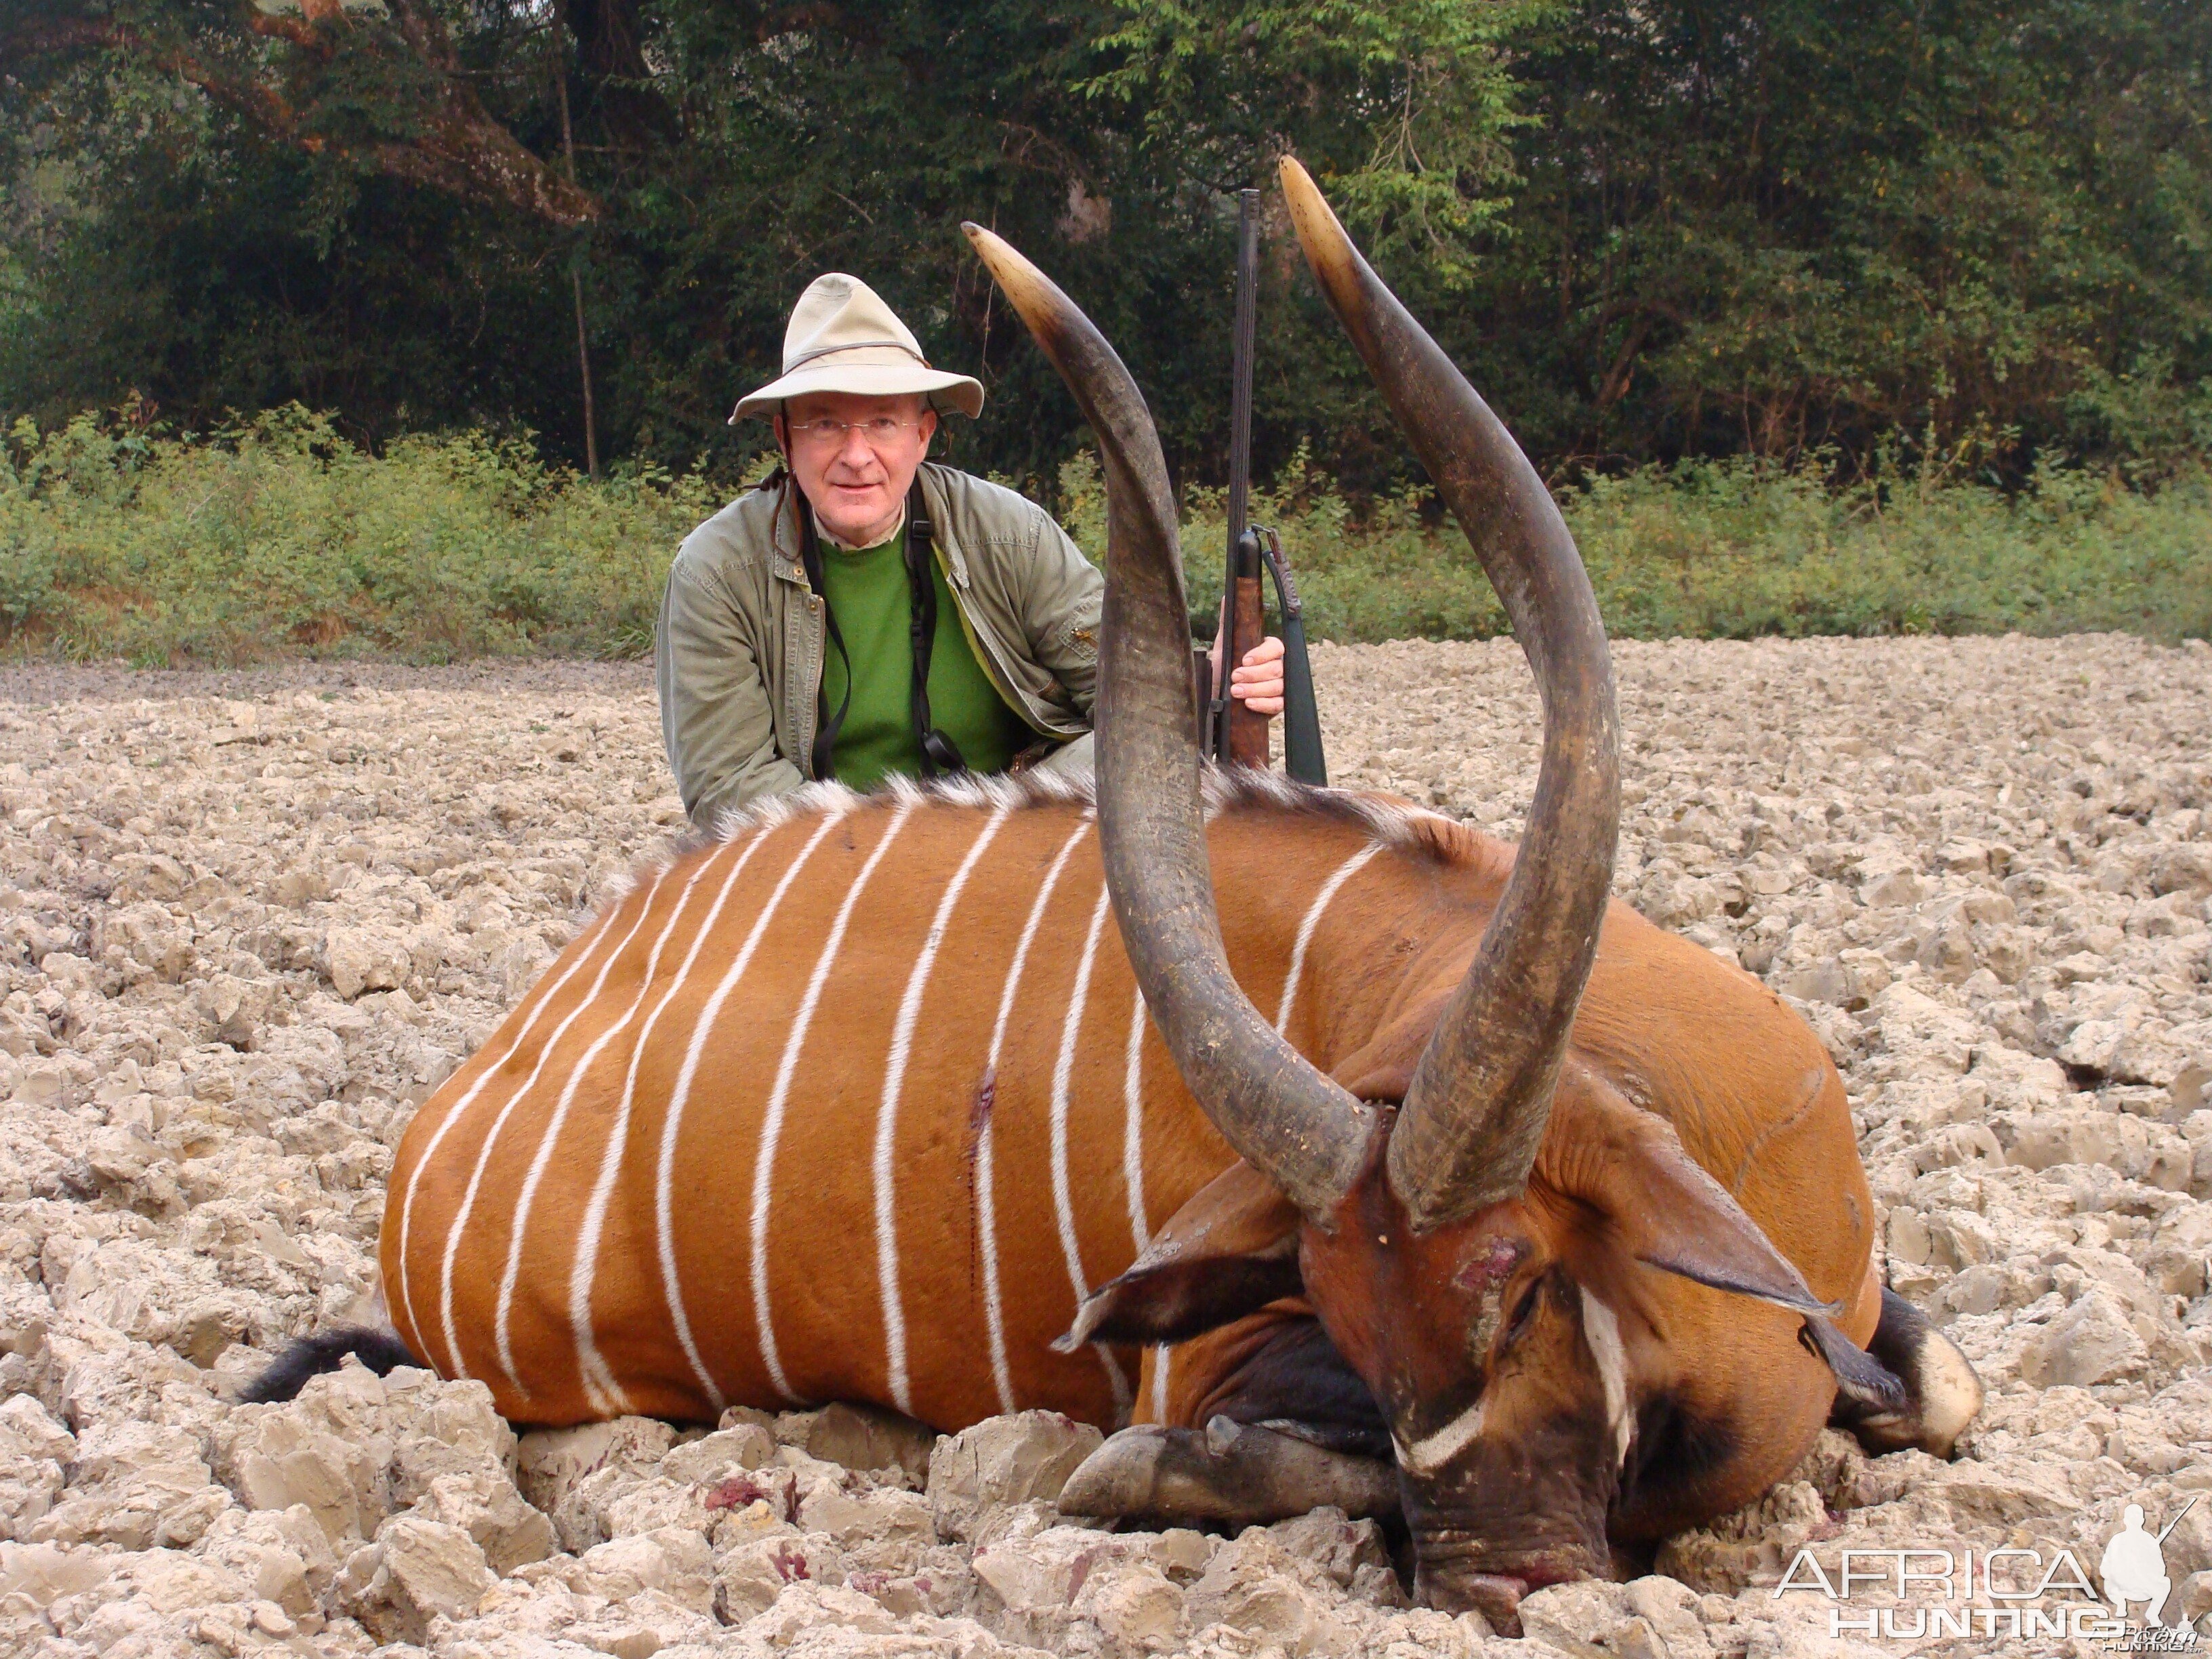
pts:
[491, 1139]
[1432, 1451]
[1163, 1375]
[599, 1384]
[501, 1328]
[665, 1170]
[583, 951]
[1345, 872]
[1062, 1072]
[985, 1196]
[887, 1257]
[1133, 1125]
[772, 1125]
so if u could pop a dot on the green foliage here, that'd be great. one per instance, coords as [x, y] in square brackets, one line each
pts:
[223, 206]
[1733, 549]
[1775, 227]
[1823, 315]
[1407, 106]
[275, 537]
[1650, 229]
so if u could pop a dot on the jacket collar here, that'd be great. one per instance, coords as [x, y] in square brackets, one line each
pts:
[941, 521]
[784, 533]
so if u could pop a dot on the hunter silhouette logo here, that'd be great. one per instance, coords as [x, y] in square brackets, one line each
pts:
[2134, 1566]
[2012, 1597]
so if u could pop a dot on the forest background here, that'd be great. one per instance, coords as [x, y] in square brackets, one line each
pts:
[1823, 315]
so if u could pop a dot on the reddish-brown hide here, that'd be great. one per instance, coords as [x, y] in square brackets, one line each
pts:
[921, 1245]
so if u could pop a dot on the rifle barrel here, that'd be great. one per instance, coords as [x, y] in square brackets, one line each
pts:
[1239, 735]
[1242, 347]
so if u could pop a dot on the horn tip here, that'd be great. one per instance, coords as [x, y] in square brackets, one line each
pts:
[1035, 298]
[1005, 261]
[1299, 186]
[1329, 250]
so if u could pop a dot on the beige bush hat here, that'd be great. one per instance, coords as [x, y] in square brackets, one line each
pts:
[843, 337]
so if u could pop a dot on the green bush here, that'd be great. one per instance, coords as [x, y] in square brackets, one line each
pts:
[275, 537]
[1732, 549]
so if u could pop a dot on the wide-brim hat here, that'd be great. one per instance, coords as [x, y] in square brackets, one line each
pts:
[843, 337]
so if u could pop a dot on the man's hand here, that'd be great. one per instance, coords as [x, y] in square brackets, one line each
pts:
[1257, 682]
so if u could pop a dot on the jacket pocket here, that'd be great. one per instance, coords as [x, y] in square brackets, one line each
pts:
[1076, 638]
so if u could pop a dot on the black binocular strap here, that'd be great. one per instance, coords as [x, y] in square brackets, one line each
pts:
[938, 752]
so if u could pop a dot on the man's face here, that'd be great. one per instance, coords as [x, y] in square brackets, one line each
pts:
[856, 473]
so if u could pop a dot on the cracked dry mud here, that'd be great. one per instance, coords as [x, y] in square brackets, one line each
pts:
[248, 921]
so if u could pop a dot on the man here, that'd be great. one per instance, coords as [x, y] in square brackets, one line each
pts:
[862, 614]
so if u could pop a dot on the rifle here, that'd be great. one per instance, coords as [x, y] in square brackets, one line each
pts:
[1230, 732]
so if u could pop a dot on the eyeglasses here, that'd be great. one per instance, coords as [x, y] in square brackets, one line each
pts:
[826, 433]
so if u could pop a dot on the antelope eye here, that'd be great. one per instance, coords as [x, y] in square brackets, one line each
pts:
[1523, 1311]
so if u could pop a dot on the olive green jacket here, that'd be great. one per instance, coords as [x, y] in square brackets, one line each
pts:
[738, 650]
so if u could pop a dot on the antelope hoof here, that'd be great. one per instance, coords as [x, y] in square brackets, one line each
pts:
[1234, 1475]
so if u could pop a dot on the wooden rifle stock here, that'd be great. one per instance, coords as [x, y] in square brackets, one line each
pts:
[1246, 742]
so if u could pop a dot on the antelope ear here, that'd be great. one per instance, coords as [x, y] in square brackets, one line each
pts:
[1629, 1165]
[1230, 1251]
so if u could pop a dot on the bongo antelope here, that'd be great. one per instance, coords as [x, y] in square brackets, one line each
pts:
[1342, 1152]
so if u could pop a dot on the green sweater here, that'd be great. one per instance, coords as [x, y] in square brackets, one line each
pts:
[868, 594]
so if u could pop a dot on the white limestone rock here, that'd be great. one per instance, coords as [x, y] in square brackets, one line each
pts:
[283, 1555]
[879, 1516]
[1022, 1458]
[33, 1449]
[870, 1438]
[549, 1462]
[714, 1458]
[1253, 1585]
[415, 1571]
[674, 1561]
[358, 959]
[137, 1485]
[751, 1572]
[2093, 1341]
[330, 1449]
[484, 1503]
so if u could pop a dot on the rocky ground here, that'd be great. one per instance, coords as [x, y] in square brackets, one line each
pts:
[247, 923]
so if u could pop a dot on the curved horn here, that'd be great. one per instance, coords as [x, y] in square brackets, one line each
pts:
[1286, 1119]
[1475, 1110]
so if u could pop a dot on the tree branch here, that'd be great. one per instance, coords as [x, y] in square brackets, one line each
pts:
[457, 147]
